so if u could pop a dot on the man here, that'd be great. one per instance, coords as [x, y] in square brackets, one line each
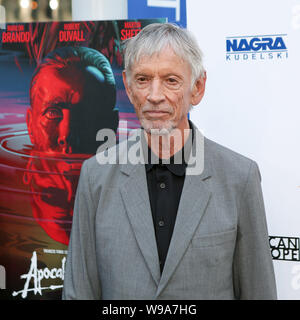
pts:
[72, 96]
[158, 230]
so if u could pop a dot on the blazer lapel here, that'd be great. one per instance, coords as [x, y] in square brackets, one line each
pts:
[193, 203]
[136, 199]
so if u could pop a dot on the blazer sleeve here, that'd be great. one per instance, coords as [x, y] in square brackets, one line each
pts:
[253, 271]
[81, 275]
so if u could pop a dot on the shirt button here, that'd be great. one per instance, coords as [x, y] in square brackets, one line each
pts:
[162, 185]
[161, 223]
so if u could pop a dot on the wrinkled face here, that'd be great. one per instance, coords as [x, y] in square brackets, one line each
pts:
[160, 90]
[67, 110]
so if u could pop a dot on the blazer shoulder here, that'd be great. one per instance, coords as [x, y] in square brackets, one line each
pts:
[104, 167]
[227, 161]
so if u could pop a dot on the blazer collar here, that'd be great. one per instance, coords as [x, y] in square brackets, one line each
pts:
[138, 140]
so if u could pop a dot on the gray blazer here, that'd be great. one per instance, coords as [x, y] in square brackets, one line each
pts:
[219, 248]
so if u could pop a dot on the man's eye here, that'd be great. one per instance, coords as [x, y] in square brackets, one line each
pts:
[53, 114]
[141, 82]
[172, 81]
[141, 79]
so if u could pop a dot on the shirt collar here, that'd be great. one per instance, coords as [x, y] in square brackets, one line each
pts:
[176, 164]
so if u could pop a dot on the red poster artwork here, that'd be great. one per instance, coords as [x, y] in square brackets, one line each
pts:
[60, 82]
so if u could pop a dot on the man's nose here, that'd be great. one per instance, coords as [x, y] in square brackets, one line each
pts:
[64, 133]
[156, 92]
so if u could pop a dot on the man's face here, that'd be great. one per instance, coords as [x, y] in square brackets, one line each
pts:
[67, 110]
[160, 90]
[55, 97]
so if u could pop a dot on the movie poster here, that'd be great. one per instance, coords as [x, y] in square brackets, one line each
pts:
[60, 82]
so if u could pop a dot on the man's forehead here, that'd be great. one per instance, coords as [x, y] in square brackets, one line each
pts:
[50, 88]
[75, 76]
[144, 57]
[52, 79]
[60, 73]
[44, 96]
[164, 59]
[48, 82]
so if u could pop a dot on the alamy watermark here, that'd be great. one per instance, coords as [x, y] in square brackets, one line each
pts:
[133, 149]
[2, 278]
[2, 18]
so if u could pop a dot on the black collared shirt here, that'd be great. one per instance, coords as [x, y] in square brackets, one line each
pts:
[165, 183]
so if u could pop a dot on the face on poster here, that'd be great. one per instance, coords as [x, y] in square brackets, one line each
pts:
[60, 83]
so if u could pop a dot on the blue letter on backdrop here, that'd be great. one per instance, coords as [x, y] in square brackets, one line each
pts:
[174, 10]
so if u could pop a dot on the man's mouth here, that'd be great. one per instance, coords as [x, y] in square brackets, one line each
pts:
[156, 113]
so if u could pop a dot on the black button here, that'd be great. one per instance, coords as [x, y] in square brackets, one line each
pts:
[161, 223]
[162, 185]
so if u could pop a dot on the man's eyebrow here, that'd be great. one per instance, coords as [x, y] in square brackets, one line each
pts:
[145, 74]
[138, 74]
[173, 74]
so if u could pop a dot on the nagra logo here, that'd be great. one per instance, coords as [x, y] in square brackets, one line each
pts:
[260, 47]
[35, 276]
[255, 44]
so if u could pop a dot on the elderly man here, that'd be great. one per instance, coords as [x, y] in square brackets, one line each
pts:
[155, 230]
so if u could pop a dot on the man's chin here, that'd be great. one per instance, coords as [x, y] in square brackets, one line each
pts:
[158, 127]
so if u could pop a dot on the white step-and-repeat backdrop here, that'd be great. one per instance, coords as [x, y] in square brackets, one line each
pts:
[252, 105]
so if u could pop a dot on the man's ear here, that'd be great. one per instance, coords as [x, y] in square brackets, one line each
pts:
[29, 124]
[127, 86]
[198, 90]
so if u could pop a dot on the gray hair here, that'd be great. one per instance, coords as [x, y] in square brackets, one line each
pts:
[155, 37]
